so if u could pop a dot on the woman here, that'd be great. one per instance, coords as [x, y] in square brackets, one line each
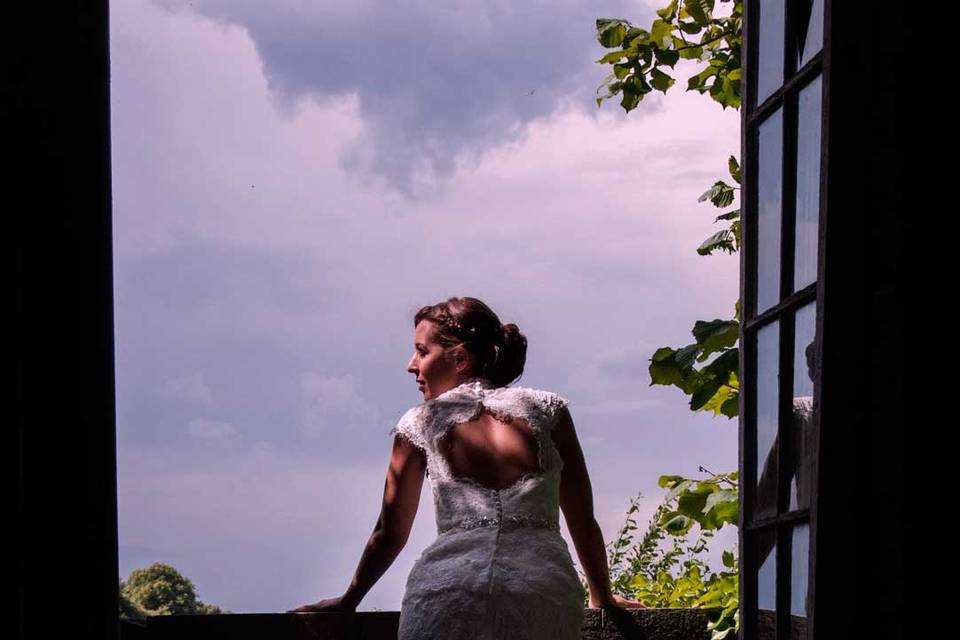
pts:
[502, 461]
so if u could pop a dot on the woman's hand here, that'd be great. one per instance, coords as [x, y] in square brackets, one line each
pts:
[618, 601]
[330, 604]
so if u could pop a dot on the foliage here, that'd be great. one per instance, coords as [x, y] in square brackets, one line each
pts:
[637, 63]
[642, 54]
[160, 590]
[675, 576]
[716, 386]
[128, 608]
[672, 574]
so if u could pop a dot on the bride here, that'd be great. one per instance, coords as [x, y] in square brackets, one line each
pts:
[502, 462]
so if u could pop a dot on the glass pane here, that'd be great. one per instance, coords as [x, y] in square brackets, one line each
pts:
[813, 42]
[799, 566]
[769, 201]
[769, 48]
[765, 558]
[808, 184]
[768, 383]
[801, 422]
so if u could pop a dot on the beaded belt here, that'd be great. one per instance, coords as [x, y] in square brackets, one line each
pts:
[514, 520]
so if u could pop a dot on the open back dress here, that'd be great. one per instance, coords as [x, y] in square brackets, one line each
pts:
[499, 567]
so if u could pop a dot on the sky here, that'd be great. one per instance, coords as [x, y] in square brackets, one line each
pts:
[293, 180]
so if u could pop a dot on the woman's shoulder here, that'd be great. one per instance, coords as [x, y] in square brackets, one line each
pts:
[410, 426]
[540, 402]
[544, 396]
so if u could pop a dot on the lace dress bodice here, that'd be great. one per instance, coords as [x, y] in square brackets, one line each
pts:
[499, 567]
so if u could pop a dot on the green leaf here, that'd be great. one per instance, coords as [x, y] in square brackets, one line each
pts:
[729, 215]
[634, 36]
[691, 53]
[613, 56]
[661, 80]
[664, 368]
[720, 240]
[727, 558]
[666, 57]
[699, 10]
[734, 168]
[678, 524]
[680, 489]
[669, 481]
[660, 33]
[716, 335]
[611, 32]
[721, 499]
[668, 11]
[630, 99]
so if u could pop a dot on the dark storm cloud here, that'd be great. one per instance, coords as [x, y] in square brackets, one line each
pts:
[434, 80]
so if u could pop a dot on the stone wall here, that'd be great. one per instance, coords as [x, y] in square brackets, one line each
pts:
[628, 624]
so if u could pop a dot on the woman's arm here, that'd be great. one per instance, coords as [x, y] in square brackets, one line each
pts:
[401, 497]
[576, 501]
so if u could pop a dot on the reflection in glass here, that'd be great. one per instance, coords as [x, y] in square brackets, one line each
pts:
[770, 48]
[813, 41]
[769, 208]
[768, 384]
[808, 184]
[766, 559]
[799, 566]
[801, 422]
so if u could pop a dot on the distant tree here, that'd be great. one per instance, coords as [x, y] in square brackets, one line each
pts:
[160, 590]
[129, 609]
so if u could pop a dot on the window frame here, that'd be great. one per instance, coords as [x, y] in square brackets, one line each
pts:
[786, 100]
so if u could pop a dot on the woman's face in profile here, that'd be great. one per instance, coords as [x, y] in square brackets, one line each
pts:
[431, 364]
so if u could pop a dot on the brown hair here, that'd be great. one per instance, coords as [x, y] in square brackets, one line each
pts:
[499, 350]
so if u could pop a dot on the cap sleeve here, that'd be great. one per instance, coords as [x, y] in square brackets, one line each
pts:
[549, 405]
[555, 404]
[410, 426]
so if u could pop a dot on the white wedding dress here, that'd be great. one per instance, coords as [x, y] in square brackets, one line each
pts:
[499, 567]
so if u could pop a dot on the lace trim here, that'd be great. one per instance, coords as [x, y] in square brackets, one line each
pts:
[541, 419]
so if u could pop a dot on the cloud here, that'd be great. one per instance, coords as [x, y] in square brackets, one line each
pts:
[632, 364]
[188, 388]
[333, 404]
[435, 82]
[211, 430]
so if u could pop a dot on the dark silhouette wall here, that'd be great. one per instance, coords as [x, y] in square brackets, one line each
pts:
[866, 429]
[55, 113]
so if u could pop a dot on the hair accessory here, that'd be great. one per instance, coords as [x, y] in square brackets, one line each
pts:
[450, 322]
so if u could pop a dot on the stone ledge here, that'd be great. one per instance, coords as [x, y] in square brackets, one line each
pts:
[615, 624]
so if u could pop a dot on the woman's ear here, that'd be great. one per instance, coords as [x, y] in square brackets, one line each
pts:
[461, 359]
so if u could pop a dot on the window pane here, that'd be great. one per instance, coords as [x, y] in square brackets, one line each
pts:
[769, 208]
[801, 423]
[765, 548]
[808, 185]
[770, 48]
[813, 42]
[799, 565]
[768, 382]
